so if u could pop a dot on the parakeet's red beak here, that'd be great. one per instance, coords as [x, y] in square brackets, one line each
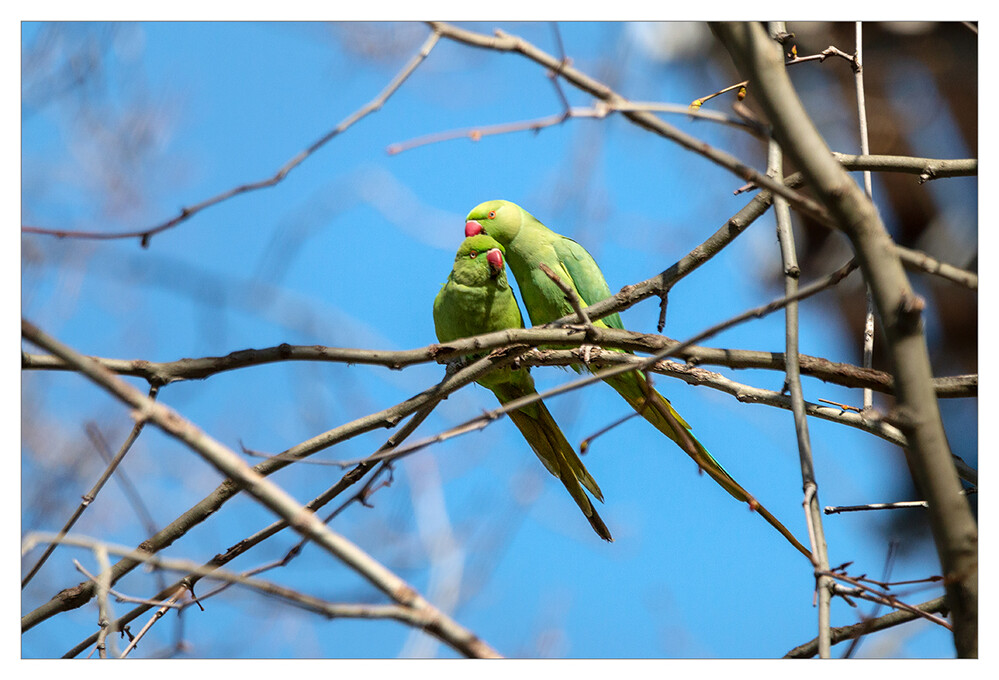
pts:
[472, 228]
[495, 259]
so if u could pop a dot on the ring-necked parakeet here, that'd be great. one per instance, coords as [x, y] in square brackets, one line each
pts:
[528, 243]
[478, 299]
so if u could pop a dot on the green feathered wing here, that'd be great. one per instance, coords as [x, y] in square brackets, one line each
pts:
[528, 243]
[477, 299]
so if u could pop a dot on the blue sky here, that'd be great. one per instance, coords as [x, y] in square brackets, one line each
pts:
[350, 250]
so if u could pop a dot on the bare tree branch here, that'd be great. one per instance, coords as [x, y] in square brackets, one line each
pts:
[89, 497]
[845, 375]
[144, 235]
[818, 192]
[925, 168]
[792, 383]
[899, 309]
[895, 618]
[504, 42]
[269, 494]
[71, 598]
[913, 259]
[331, 610]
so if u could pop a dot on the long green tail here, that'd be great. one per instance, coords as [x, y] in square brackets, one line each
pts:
[550, 445]
[633, 387]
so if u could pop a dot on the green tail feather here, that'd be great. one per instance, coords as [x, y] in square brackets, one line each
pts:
[550, 445]
[633, 387]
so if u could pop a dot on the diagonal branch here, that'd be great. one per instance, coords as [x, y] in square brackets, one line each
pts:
[269, 494]
[89, 497]
[954, 529]
[144, 235]
[244, 545]
[885, 622]
[331, 610]
[71, 598]
[504, 42]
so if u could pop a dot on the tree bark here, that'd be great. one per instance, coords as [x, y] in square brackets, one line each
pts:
[955, 532]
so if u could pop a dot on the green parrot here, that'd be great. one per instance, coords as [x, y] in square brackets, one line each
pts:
[528, 243]
[475, 299]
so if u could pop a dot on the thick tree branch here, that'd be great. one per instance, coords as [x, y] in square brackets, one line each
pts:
[954, 529]
[244, 545]
[239, 476]
[269, 494]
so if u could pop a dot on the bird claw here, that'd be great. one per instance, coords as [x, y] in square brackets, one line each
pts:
[585, 351]
[455, 365]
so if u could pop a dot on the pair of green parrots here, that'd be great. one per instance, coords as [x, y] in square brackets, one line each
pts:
[477, 298]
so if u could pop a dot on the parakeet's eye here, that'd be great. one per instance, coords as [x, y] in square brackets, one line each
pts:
[473, 254]
[491, 215]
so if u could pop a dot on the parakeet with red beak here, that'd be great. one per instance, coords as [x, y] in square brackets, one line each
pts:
[528, 243]
[478, 299]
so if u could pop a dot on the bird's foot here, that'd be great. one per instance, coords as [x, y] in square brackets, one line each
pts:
[455, 365]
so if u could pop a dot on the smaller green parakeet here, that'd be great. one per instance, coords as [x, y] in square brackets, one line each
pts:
[475, 299]
[529, 244]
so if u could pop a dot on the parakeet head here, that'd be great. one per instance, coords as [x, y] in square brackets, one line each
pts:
[499, 219]
[480, 256]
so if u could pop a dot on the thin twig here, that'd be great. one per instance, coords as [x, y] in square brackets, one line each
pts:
[570, 295]
[865, 149]
[268, 494]
[845, 407]
[830, 51]
[889, 620]
[563, 60]
[259, 537]
[89, 497]
[598, 111]
[149, 624]
[792, 382]
[889, 563]
[898, 505]
[331, 610]
[105, 611]
[699, 102]
[584, 445]
[866, 592]
[505, 42]
[477, 133]
[186, 213]
[121, 597]
[913, 259]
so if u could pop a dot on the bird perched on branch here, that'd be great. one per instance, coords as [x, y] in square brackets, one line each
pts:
[478, 299]
[530, 248]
